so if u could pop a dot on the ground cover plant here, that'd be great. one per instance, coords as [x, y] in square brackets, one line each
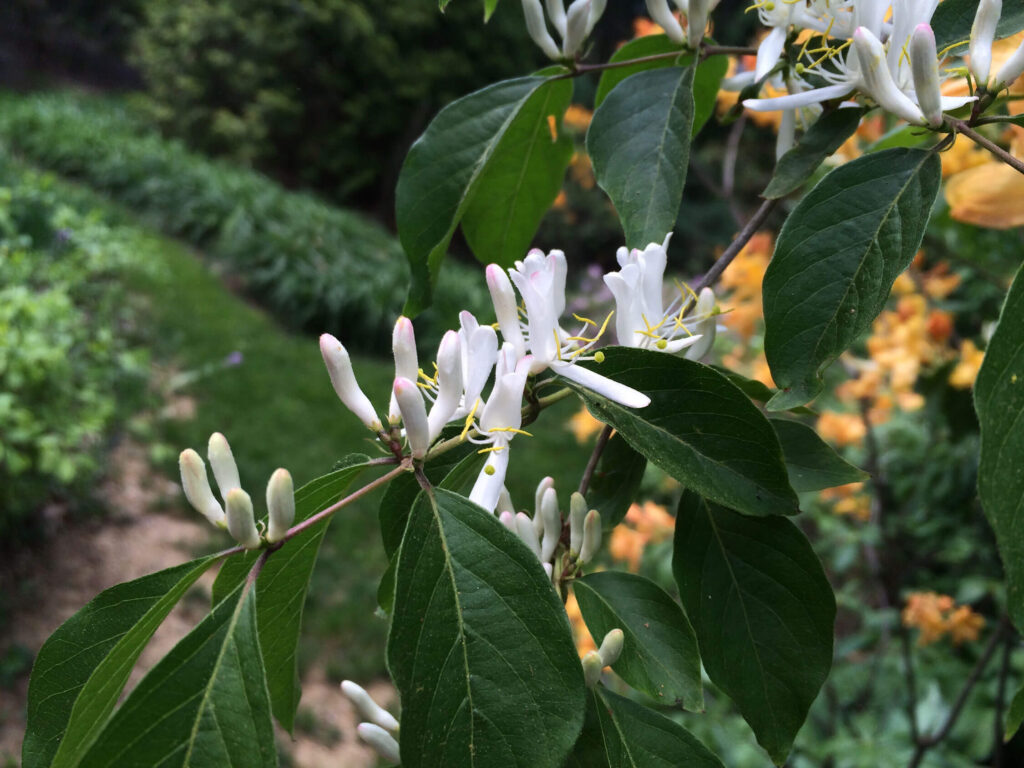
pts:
[479, 592]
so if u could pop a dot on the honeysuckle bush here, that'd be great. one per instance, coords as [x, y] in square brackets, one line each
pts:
[480, 647]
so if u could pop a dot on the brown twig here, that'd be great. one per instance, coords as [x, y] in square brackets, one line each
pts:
[705, 51]
[997, 723]
[961, 127]
[730, 253]
[595, 456]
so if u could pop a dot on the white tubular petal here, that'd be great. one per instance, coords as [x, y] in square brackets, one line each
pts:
[877, 79]
[983, 32]
[222, 462]
[596, 12]
[449, 384]
[592, 666]
[508, 519]
[503, 409]
[368, 708]
[924, 64]
[241, 519]
[280, 505]
[505, 502]
[591, 536]
[526, 532]
[798, 100]
[738, 82]
[556, 12]
[769, 51]
[548, 569]
[407, 365]
[414, 416]
[1011, 69]
[479, 354]
[602, 385]
[662, 16]
[382, 742]
[697, 22]
[491, 479]
[787, 133]
[611, 647]
[955, 102]
[678, 345]
[506, 309]
[705, 327]
[197, 487]
[551, 520]
[576, 20]
[577, 514]
[538, 502]
[339, 367]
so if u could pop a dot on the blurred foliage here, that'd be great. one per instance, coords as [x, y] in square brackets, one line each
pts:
[325, 93]
[315, 266]
[67, 369]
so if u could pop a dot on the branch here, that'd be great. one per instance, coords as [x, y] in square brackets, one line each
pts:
[705, 51]
[961, 127]
[997, 725]
[599, 446]
[730, 253]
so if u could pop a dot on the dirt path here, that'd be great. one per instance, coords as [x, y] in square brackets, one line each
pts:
[133, 539]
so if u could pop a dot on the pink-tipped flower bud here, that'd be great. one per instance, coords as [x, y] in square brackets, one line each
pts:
[368, 708]
[506, 309]
[403, 346]
[197, 488]
[280, 505]
[508, 519]
[924, 64]
[339, 367]
[414, 416]
[241, 519]
[382, 742]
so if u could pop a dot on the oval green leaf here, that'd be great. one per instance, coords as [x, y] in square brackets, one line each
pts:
[616, 481]
[836, 259]
[820, 141]
[812, 463]
[953, 19]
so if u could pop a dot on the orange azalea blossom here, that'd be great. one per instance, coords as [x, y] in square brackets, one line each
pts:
[743, 280]
[644, 524]
[990, 194]
[583, 425]
[841, 428]
[966, 370]
[580, 634]
[849, 500]
[937, 615]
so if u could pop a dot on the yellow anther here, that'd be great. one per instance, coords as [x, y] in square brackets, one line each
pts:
[661, 344]
[951, 46]
[492, 449]
[510, 429]
[488, 470]
[585, 320]
[599, 356]
[469, 420]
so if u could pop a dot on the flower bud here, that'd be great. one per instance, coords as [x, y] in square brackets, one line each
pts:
[591, 536]
[222, 462]
[478, 345]
[526, 532]
[538, 29]
[611, 647]
[924, 64]
[577, 513]
[339, 367]
[592, 666]
[506, 309]
[549, 570]
[197, 487]
[551, 521]
[407, 365]
[369, 709]
[983, 32]
[1011, 69]
[577, 19]
[662, 16]
[538, 502]
[280, 505]
[241, 520]
[556, 12]
[505, 502]
[414, 416]
[383, 743]
[704, 311]
[449, 384]
[508, 519]
[877, 79]
[596, 12]
[697, 21]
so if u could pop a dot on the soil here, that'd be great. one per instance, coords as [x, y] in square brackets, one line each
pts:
[144, 530]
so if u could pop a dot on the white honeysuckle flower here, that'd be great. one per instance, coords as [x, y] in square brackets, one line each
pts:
[573, 26]
[907, 16]
[382, 742]
[500, 420]
[414, 416]
[367, 708]
[1012, 68]
[449, 384]
[877, 81]
[706, 316]
[540, 280]
[196, 484]
[786, 137]
[503, 296]
[339, 368]
[927, 83]
[983, 33]
[280, 505]
[403, 346]
[663, 17]
[222, 462]
[596, 11]
[641, 318]
[556, 12]
[241, 519]
[478, 345]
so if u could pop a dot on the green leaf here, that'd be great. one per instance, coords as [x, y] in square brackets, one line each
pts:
[819, 142]
[442, 171]
[660, 654]
[699, 428]
[756, 390]
[281, 589]
[836, 259]
[812, 463]
[204, 704]
[639, 143]
[634, 736]
[589, 750]
[641, 47]
[489, 8]
[999, 400]
[763, 612]
[521, 180]
[480, 647]
[952, 21]
[616, 481]
[83, 666]
[706, 85]
[1014, 715]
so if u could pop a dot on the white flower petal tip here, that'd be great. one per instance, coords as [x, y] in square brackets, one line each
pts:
[197, 489]
[343, 379]
[382, 742]
[241, 519]
[414, 416]
[280, 505]
[369, 709]
[222, 462]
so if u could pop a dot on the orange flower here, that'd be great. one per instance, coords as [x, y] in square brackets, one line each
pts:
[849, 500]
[964, 625]
[743, 279]
[577, 118]
[583, 425]
[990, 194]
[581, 635]
[937, 615]
[841, 428]
[966, 370]
[644, 524]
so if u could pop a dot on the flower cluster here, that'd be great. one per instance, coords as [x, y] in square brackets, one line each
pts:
[532, 341]
[937, 615]
[696, 12]
[380, 729]
[573, 25]
[237, 514]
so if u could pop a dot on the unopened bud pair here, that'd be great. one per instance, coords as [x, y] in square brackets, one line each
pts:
[697, 14]
[595, 661]
[381, 728]
[237, 514]
[983, 33]
[573, 26]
